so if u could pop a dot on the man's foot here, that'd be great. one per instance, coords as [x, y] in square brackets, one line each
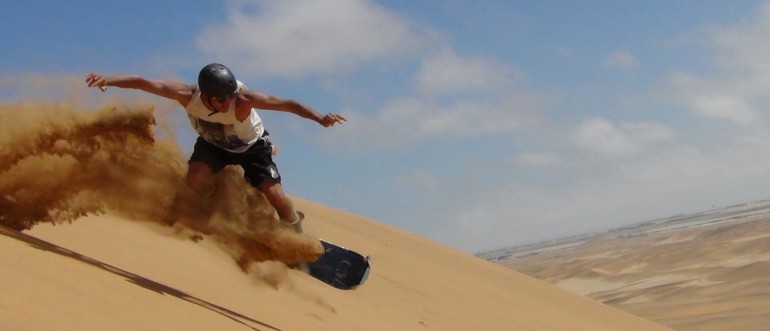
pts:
[296, 223]
[309, 258]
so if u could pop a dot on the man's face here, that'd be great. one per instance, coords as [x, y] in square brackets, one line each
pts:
[219, 104]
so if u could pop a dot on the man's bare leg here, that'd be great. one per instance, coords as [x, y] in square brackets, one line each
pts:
[289, 216]
[191, 205]
[273, 191]
[200, 179]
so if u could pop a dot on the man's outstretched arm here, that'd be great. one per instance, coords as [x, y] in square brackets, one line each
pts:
[255, 99]
[178, 91]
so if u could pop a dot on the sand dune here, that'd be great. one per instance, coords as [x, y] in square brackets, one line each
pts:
[108, 273]
[93, 190]
[708, 273]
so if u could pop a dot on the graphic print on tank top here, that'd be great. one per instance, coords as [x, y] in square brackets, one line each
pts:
[221, 135]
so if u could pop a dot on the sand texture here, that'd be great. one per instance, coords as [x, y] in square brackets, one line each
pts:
[108, 273]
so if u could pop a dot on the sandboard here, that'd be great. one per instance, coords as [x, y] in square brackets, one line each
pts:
[340, 267]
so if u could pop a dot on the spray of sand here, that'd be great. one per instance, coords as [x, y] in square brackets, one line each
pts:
[58, 163]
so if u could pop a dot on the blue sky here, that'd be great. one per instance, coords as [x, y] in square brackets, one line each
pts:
[479, 124]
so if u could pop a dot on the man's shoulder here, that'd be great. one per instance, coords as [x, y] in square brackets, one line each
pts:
[186, 92]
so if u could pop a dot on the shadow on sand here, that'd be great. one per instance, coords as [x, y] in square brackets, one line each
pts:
[136, 279]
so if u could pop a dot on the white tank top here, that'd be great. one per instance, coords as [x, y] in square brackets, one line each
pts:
[223, 129]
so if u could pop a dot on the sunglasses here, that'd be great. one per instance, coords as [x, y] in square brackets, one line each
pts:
[220, 99]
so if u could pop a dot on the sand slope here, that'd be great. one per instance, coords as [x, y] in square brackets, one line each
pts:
[107, 273]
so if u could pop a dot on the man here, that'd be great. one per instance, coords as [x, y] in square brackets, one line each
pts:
[222, 110]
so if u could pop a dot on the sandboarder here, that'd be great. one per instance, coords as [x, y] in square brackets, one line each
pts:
[223, 112]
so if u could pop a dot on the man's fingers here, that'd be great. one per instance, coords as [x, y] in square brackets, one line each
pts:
[96, 80]
[334, 119]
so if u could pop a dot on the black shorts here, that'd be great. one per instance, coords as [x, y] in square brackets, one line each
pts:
[257, 161]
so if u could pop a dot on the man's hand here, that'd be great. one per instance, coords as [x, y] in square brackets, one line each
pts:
[94, 79]
[331, 119]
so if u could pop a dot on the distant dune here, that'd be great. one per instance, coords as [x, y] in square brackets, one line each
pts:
[706, 271]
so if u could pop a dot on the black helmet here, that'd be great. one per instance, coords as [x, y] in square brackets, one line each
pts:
[215, 80]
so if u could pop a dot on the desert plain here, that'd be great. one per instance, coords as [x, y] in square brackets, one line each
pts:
[702, 271]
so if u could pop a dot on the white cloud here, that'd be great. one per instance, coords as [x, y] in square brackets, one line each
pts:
[446, 72]
[737, 92]
[592, 196]
[421, 118]
[603, 137]
[295, 38]
[489, 102]
[648, 169]
[621, 60]
[729, 107]
[747, 45]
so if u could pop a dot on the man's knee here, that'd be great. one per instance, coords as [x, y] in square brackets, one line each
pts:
[271, 188]
[200, 178]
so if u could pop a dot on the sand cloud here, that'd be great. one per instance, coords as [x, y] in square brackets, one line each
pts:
[59, 162]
